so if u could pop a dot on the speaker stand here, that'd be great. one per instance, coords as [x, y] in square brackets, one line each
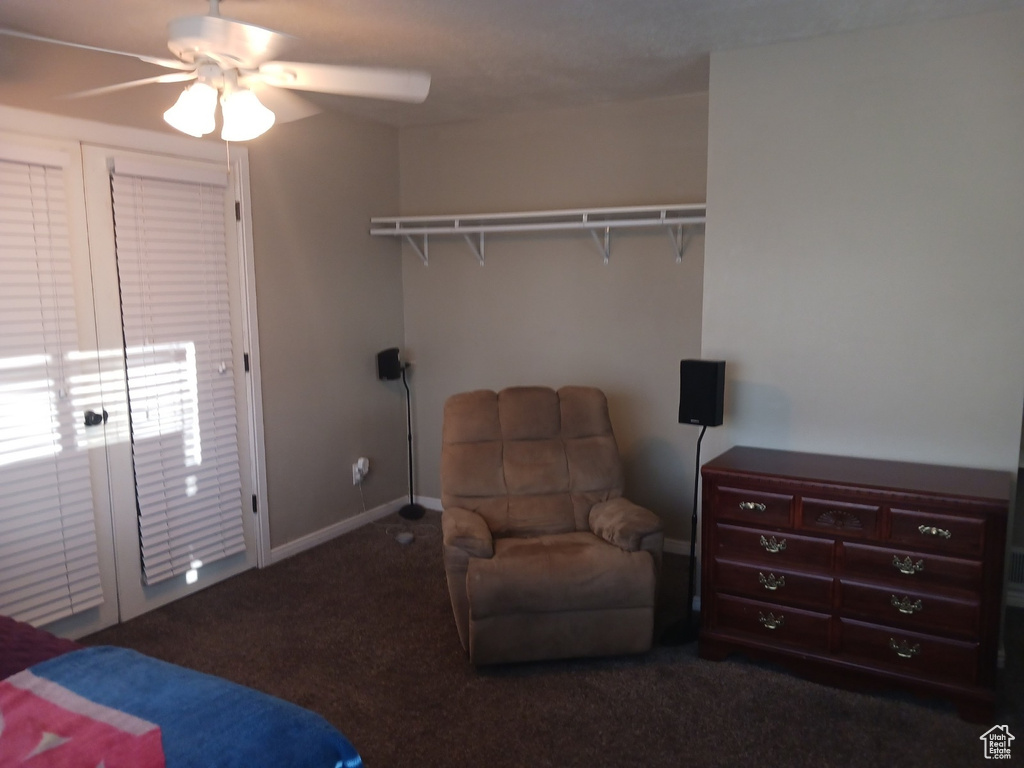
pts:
[412, 510]
[687, 630]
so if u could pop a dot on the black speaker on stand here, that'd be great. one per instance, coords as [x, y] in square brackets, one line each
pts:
[701, 401]
[390, 368]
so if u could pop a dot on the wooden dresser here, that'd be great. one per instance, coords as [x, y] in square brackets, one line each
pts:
[856, 572]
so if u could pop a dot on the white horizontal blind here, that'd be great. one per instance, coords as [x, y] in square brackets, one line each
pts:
[172, 270]
[49, 566]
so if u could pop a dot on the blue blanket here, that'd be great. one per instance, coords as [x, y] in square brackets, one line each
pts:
[206, 722]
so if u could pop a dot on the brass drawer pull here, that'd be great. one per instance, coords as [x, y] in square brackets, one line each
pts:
[906, 566]
[904, 649]
[906, 605]
[773, 545]
[770, 582]
[931, 530]
[749, 506]
[771, 621]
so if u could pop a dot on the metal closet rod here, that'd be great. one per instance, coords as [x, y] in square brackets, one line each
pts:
[590, 219]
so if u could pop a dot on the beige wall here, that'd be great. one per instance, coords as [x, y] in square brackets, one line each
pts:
[544, 309]
[329, 298]
[864, 268]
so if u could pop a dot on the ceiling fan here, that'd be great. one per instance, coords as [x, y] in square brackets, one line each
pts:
[236, 62]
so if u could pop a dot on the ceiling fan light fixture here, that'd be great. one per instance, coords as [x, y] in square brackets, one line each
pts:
[224, 57]
[244, 116]
[193, 112]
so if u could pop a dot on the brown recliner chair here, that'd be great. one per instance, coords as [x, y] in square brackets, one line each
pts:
[544, 558]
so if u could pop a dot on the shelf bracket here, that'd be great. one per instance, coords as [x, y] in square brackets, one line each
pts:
[424, 252]
[478, 250]
[680, 239]
[604, 247]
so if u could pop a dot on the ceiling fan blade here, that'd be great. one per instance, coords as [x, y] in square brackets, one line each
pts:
[393, 84]
[286, 106]
[168, 63]
[170, 77]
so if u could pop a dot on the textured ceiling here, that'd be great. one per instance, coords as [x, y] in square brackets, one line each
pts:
[486, 57]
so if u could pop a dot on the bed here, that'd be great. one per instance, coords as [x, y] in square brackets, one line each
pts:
[66, 705]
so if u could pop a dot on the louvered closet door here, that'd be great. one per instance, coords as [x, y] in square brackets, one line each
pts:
[55, 549]
[183, 492]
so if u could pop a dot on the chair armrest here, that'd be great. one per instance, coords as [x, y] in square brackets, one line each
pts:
[623, 523]
[467, 531]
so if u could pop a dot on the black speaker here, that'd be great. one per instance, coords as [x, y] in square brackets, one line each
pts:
[702, 392]
[388, 366]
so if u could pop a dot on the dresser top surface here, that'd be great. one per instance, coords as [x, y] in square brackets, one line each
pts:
[931, 479]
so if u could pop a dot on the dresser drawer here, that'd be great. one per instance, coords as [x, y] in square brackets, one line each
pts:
[770, 622]
[787, 550]
[760, 581]
[773, 509]
[840, 519]
[911, 609]
[910, 652]
[942, 533]
[907, 568]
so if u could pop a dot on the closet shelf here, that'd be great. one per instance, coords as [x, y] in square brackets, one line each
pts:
[678, 221]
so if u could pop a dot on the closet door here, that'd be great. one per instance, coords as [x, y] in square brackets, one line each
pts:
[56, 555]
[166, 263]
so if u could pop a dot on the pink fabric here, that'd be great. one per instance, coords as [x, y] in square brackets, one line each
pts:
[44, 725]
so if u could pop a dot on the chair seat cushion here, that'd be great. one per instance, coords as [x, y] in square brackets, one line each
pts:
[559, 572]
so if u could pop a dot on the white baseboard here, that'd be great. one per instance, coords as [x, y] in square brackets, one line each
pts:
[311, 540]
[677, 547]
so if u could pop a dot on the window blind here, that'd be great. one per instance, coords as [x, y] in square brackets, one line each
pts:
[170, 236]
[49, 566]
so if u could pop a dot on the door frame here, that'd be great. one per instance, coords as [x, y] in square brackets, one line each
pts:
[30, 124]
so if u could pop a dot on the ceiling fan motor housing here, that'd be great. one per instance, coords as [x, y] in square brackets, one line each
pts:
[229, 42]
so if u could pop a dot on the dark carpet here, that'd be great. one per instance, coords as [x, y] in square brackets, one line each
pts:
[360, 630]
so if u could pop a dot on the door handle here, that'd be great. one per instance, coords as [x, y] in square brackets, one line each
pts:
[93, 419]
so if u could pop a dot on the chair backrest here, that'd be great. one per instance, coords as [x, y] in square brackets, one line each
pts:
[529, 460]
